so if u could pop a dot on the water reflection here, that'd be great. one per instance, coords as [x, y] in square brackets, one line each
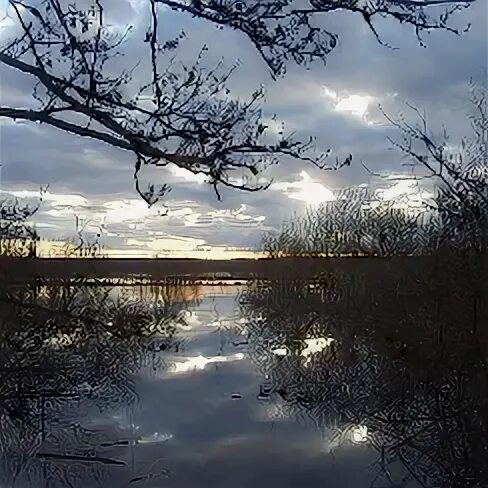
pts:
[398, 363]
[199, 362]
[345, 380]
[67, 351]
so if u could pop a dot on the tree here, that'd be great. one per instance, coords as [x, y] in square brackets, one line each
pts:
[460, 206]
[356, 222]
[18, 235]
[182, 115]
[360, 221]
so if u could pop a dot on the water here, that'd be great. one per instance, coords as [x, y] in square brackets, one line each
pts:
[202, 416]
[233, 389]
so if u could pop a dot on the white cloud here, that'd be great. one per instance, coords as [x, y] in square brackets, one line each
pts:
[46, 225]
[58, 213]
[180, 212]
[307, 190]
[234, 214]
[404, 189]
[354, 104]
[237, 216]
[329, 93]
[167, 243]
[55, 199]
[130, 210]
[22, 193]
[406, 194]
[129, 227]
[186, 175]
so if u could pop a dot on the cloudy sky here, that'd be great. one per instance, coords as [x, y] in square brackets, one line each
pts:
[336, 103]
[200, 416]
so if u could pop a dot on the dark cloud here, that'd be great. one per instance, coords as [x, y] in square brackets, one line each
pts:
[433, 78]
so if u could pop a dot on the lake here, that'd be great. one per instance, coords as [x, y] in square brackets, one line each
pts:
[280, 384]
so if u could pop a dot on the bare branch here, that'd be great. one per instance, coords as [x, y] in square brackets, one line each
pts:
[179, 114]
[282, 30]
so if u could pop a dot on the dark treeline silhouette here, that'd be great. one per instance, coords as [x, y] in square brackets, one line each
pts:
[403, 346]
[358, 223]
[444, 204]
[18, 236]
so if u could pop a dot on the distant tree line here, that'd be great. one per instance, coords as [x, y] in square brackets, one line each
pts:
[18, 236]
[359, 222]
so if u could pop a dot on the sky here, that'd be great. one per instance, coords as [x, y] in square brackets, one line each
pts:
[336, 103]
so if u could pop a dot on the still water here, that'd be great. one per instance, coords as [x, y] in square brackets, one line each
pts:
[222, 386]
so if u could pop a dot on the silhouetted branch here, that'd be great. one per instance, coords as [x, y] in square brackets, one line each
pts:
[181, 114]
[284, 30]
